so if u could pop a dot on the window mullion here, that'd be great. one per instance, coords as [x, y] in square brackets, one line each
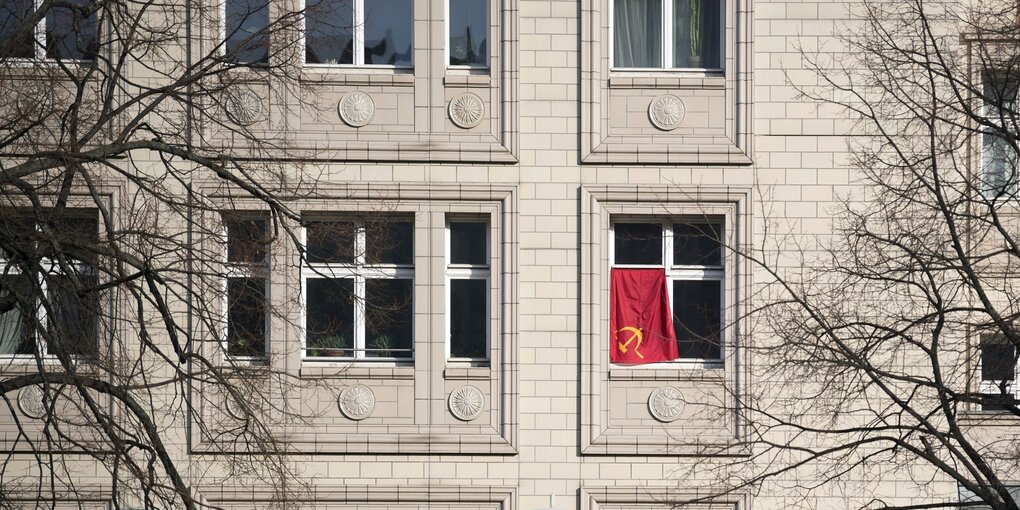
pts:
[359, 315]
[359, 32]
[39, 34]
[667, 34]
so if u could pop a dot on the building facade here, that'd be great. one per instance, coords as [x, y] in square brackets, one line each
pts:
[468, 174]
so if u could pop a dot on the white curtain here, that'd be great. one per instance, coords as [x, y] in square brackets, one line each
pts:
[638, 33]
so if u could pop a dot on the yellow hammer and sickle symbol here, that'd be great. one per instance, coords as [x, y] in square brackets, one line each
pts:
[635, 334]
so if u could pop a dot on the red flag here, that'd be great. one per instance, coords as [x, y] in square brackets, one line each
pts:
[640, 321]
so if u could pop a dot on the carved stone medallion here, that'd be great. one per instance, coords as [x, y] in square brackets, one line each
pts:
[666, 403]
[243, 106]
[466, 403]
[233, 407]
[357, 402]
[466, 110]
[667, 112]
[31, 401]
[356, 109]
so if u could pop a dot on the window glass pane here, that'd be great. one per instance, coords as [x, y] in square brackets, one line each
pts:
[637, 37]
[389, 32]
[998, 157]
[13, 15]
[329, 323]
[76, 237]
[389, 314]
[329, 32]
[697, 244]
[73, 315]
[246, 240]
[330, 241]
[247, 39]
[697, 318]
[469, 318]
[389, 242]
[469, 32]
[71, 33]
[18, 236]
[469, 243]
[16, 323]
[697, 33]
[638, 243]
[998, 359]
[246, 317]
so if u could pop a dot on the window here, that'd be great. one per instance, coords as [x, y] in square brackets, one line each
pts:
[468, 37]
[358, 283]
[467, 283]
[998, 371]
[999, 156]
[246, 36]
[51, 256]
[664, 34]
[247, 285]
[68, 32]
[692, 256]
[359, 32]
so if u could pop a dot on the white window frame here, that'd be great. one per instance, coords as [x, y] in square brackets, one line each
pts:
[991, 387]
[488, 41]
[242, 270]
[360, 272]
[357, 41]
[42, 317]
[468, 272]
[666, 62]
[677, 272]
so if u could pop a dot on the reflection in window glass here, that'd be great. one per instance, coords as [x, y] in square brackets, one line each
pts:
[329, 320]
[638, 243]
[469, 32]
[697, 33]
[637, 37]
[246, 240]
[329, 32]
[389, 242]
[13, 15]
[74, 309]
[697, 244]
[697, 318]
[468, 318]
[16, 325]
[999, 157]
[247, 39]
[388, 318]
[468, 243]
[71, 34]
[246, 318]
[389, 32]
[330, 241]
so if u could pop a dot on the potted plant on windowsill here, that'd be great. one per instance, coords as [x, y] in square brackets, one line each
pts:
[332, 346]
[694, 60]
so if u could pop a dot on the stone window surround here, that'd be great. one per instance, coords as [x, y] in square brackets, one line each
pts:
[431, 202]
[663, 497]
[598, 79]
[599, 204]
[356, 496]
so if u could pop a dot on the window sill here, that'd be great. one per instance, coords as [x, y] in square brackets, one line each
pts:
[467, 373]
[468, 80]
[675, 372]
[354, 370]
[666, 80]
[333, 75]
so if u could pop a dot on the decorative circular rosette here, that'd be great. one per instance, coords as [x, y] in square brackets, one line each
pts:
[357, 402]
[667, 112]
[666, 403]
[356, 109]
[243, 106]
[466, 110]
[466, 403]
[31, 401]
[233, 407]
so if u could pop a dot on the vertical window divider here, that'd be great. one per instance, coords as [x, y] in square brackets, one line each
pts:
[360, 289]
[359, 32]
[667, 34]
